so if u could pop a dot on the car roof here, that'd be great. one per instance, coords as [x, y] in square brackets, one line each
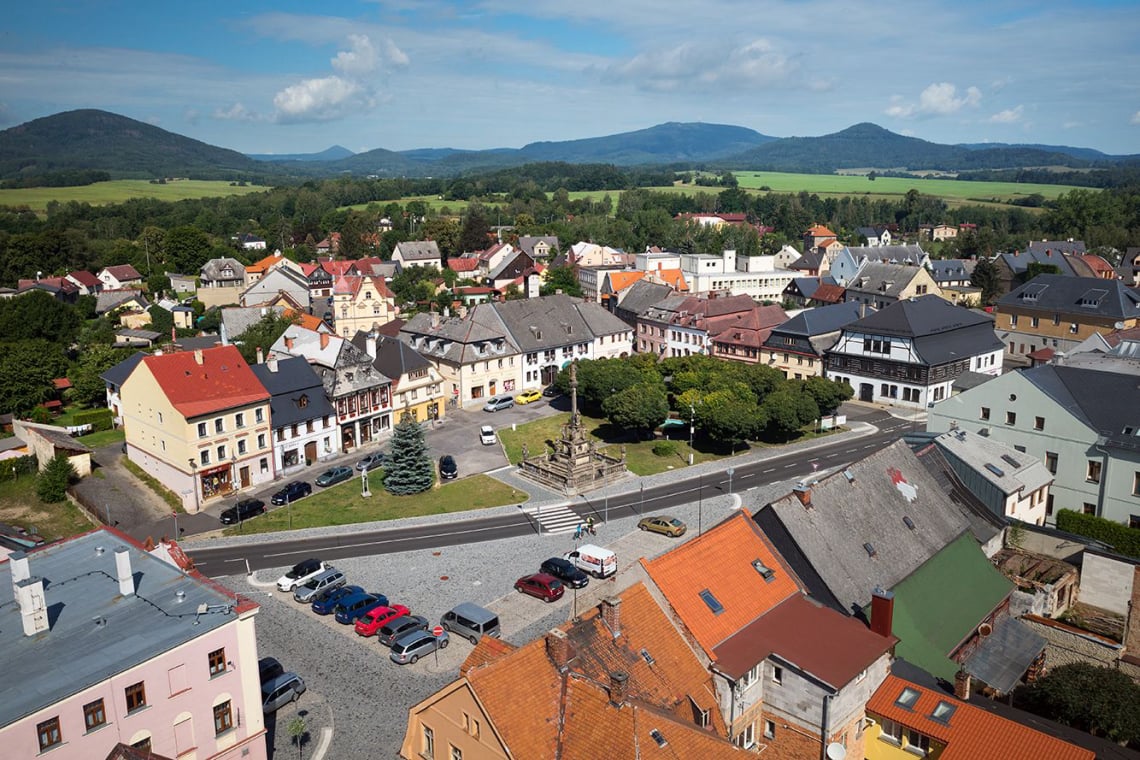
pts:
[277, 681]
[472, 610]
[414, 636]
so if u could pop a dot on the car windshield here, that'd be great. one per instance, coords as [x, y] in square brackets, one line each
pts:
[675, 522]
[555, 584]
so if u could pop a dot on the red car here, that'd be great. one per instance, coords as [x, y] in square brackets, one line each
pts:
[545, 587]
[374, 620]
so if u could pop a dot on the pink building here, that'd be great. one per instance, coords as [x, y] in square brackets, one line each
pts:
[108, 644]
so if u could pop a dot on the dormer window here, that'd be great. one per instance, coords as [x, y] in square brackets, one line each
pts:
[303, 401]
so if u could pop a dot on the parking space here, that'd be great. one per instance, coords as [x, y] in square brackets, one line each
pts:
[458, 434]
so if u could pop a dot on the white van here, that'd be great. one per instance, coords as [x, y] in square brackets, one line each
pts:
[594, 560]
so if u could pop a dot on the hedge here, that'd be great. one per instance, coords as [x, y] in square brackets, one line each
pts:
[98, 419]
[1121, 538]
[10, 469]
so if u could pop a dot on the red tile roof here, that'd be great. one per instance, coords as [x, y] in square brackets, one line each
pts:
[730, 548]
[970, 733]
[828, 293]
[83, 277]
[122, 272]
[463, 264]
[221, 381]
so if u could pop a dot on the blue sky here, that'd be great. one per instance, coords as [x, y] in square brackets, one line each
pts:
[294, 76]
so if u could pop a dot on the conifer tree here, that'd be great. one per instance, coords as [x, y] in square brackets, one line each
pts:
[409, 468]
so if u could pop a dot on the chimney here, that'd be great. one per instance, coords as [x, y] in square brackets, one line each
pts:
[558, 648]
[198, 357]
[962, 685]
[288, 342]
[618, 681]
[1132, 624]
[33, 608]
[434, 320]
[271, 365]
[324, 340]
[260, 356]
[611, 614]
[862, 309]
[803, 493]
[21, 570]
[882, 611]
[461, 311]
[370, 344]
[123, 572]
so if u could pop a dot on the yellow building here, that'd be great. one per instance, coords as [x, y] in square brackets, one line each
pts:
[199, 423]
[417, 386]
[361, 304]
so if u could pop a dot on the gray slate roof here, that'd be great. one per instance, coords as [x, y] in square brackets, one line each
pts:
[1019, 261]
[394, 357]
[118, 374]
[1108, 402]
[212, 269]
[1076, 247]
[823, 319]
[527, 242]
[950, 270]
[1055, 293]
[293, 380]
[941, 332]
[883, 279]
[109, 299]
[825, 544]
[81, 588]
[556, 320]
[419, 250]
[642, 294]
[237, 319]
[890, 254]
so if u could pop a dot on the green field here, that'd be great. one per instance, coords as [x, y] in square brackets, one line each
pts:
[949, 189]
[119, 190]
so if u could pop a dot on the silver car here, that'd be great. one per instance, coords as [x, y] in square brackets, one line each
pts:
[307, 592]
[393, 630]
[412, 646]
[280, 691]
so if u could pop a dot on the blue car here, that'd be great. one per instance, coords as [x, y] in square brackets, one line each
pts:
[333, 476]
[327, 603]
[352, 607]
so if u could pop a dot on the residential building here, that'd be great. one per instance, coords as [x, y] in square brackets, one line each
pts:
[250, 242]
[1129, 269]
[472, 351]
[754, 276]
[876, 236]
[592, 278]
[813, 263]
[539, 247]
[951, 272]
[417, 386]
[817, 235]
[87, 283]
[464, 266]
[738, 335]
[167, 664]
[798, 346]
[1047, 256]
[631, 301]
[849, 262]
[361, 304]
[418, 253]
[198, 422]
[937, 232]
[801, 290]
[114, 379]
[786, 257]
[1010, 484]
[120, 277]
[1059, 311]
[1082, 423]
[908, 719]
[1100, 266]
[264, 266]
[320, 281]
[880, 284]
[279, 286]
[304, 422]
[493, 257]
[593, 255]
[911, 351]
[510, 269]
[361, 396]
[128, 301]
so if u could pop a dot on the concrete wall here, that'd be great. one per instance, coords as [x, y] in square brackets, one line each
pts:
[1106, 582]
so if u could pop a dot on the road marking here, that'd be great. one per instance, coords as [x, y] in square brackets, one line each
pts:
[770, 469]
[554, 518]
[792, 464]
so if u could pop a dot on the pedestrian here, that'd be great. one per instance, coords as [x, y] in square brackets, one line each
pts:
[590, 526]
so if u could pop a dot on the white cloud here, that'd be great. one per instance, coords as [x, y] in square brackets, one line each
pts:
[1008, 116]
[236, 112]
[938, 99]
[756, 64]
[351, 90]
[1135, 118]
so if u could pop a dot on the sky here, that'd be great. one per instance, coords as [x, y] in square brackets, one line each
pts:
[294, 77]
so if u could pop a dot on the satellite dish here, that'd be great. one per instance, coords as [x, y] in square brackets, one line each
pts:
[1119, 325]
[836, 751]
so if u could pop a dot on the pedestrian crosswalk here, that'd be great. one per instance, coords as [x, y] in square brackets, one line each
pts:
[553, 518]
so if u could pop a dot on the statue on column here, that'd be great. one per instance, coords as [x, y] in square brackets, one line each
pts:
[575, 419]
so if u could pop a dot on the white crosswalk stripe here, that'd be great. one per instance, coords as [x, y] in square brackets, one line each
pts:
[554, 518]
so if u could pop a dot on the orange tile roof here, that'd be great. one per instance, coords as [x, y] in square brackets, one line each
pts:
[622, 280]
[222, 381]
[970, 732]
[674, 278]
[486, 650]
[307, 321]
[730, 547]
[818, 230]
[463, 264]
[264, 264]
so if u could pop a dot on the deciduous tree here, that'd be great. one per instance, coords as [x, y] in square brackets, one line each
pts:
[640, 407]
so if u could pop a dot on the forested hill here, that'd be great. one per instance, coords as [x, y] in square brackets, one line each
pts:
[123, 147]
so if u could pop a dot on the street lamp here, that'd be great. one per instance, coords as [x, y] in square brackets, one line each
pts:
[730, 473]
[700, 501]
[642, 511]
[692, 429]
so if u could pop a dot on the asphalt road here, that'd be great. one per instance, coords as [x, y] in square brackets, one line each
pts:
[230, 560]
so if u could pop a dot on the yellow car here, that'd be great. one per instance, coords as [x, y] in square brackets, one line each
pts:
[664, 524]
[528, 396]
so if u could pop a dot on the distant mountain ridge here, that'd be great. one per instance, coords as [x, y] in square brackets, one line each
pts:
[124, 147]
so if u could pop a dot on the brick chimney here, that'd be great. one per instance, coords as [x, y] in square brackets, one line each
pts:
[324, 340]
[618, 683]
[558, 648]
[882, 611]
[198, 356]
[1132, 626]
[611, 614]
[260, 356]
[962, 685]
[803, 493]
[29, 592]
[288, 342]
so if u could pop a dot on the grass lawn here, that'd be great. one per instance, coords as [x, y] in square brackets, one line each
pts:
[19, 505]
[433, 202]
[343, 505]
[119, 190]
[950, 189]
[102, 438]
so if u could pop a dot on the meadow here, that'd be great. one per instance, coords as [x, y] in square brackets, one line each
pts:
[119, 190]
[852, 184]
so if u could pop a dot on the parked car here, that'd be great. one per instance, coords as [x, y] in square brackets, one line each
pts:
[540, 585]
[269, 668]
[333, 476]
[317, 585]
[326, 603]
[374, 619]
[595, 560]
[349, 609]
[498, 403]
[527, 397]
[412, 646]
[665, 524]
[565, 571]
[302, 572]
[394, 629]
[448, 469]
[550, 391]
[280, 691]
[487, 435]
[471, 621]
[372, 461]
[298, 489]
[243, 510]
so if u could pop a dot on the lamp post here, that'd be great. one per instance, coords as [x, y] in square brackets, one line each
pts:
[700, 501]
[642, 510]
[692, 429]
[730, 473]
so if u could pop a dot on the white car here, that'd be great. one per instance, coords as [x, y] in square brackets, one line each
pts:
[302, 573]
[487, 435]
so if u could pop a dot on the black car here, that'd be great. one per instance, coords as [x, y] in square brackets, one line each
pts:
[565, 571]
[448, 469]
[269, 668]
[243, 510]
[291, 492]
[550, 391]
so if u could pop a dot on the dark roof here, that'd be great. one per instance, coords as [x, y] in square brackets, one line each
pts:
[394, 358]
[1102, 400]
[642, 294]
[821, 320]
[1019, 261]
[941, 331]
[294, 379]
[883, 278]
[195, 342]
[1094, 296]
[1062, 246]
[811, 260]
[118, 374]
[945, 270]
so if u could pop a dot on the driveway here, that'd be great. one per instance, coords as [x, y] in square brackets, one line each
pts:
[122, 499]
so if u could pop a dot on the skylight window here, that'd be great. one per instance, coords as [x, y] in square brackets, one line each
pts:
[766, 572]
[712, 602]
[908, 522]
[1010, 460]
[995, 469]
[647, 657]
[908, 698]
[870, 549]
[658, 737]
[942, 711]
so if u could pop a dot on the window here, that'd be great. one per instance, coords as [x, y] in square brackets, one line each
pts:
[1134, 521]
[1092, 472]
[223, 718]
[456, 753]
[1089, 509]
[1049, 506]
[219, 425]
[143, 744]
[1013, 320]
[985, 413]
[891, 731]
[242, 446]
[1033, 322]
[1011, 418]
[49, 733]
[239, 419]
[94, 715]
[259, 414]
[777, 674]
[204, 456]
[942, 711]
[217, 660]
[221, 453]
[749, 678]
[428, 749]
[747, 737]
[136, 696]
[1051, 461]
[1038, 423]
[160, 418]
[908, 697]
[1056, 319]
[261, 440]
[769, 729]
[201, 429]
[712, 602]
[1136, 484]
[916, 742]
